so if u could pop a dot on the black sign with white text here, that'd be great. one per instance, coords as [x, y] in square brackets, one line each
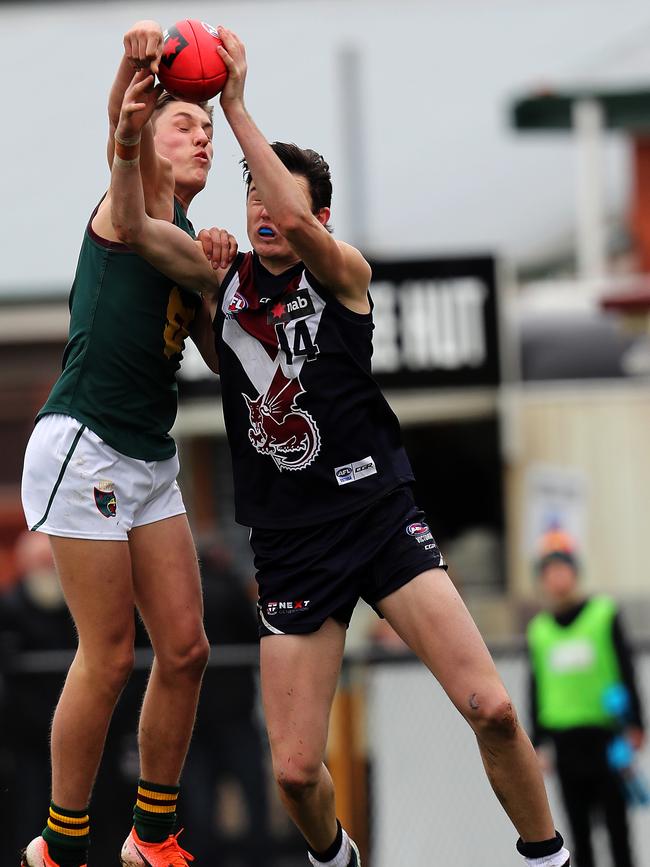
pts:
[435, 323]
[435, 326]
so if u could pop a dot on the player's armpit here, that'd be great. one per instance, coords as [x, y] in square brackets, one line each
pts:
[202, 334]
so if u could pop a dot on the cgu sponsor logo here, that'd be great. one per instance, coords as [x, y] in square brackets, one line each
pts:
[357, 470]
[274, 607]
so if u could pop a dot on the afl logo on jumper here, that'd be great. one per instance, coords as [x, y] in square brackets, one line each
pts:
[237, 304]
[105, 499]
[279, 428]
[173, 43]
[293, 306]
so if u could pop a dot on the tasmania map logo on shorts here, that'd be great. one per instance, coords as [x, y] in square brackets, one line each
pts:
[105, 499]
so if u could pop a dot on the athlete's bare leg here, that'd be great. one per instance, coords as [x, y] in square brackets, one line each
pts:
[299, 675]
[168, 596]
[431, 617]
[96, 580]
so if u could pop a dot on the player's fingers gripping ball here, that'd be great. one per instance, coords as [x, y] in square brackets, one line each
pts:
[190, 66]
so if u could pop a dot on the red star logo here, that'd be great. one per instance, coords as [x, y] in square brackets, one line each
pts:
[278, 311]
[171, 46]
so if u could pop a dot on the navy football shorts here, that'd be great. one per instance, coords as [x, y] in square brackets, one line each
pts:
[308, 574]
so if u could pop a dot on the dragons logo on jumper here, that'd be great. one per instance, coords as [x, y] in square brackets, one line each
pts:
[105, 499]
[279, 428]
[173, 43]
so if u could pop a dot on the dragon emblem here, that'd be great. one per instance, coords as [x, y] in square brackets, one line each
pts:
[279, 428]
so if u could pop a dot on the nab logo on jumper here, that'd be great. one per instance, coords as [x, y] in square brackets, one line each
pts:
[293, 306]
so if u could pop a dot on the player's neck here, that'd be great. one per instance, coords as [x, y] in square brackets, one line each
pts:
[278, 266]
[184, 195]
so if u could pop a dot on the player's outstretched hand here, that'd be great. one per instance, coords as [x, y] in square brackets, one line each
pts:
[143, 45]
[219, 246]
[233, 54]
[138, 104]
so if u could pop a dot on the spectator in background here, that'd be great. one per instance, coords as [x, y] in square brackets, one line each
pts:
[227, 744]
[578, 654]
[33, 617]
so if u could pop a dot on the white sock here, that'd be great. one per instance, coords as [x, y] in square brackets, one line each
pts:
[558, 860]
[343, 857]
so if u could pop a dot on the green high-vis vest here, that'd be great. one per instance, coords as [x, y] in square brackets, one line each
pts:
[574, 665]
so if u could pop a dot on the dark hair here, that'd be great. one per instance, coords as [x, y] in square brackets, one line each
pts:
[305, 162]
[166, 98]
[557, 557]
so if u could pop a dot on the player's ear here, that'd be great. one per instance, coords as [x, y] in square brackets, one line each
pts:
[323, 216]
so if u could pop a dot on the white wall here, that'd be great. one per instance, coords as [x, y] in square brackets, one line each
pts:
[431, 800]
[445, 171]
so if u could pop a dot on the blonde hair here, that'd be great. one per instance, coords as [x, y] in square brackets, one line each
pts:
[166, 98]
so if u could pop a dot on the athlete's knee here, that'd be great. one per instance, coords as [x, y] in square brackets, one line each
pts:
[188, 655]
[110, 670]
[492, 715]
[297, 775]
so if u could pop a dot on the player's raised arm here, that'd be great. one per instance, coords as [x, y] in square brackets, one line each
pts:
[143, 45]
[167, 247]
[335, 264]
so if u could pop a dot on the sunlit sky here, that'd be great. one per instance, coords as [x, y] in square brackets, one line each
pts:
[441, 168]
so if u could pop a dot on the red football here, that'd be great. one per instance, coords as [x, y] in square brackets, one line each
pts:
[190, 67]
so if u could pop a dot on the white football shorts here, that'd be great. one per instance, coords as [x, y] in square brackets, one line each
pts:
[75, 485]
